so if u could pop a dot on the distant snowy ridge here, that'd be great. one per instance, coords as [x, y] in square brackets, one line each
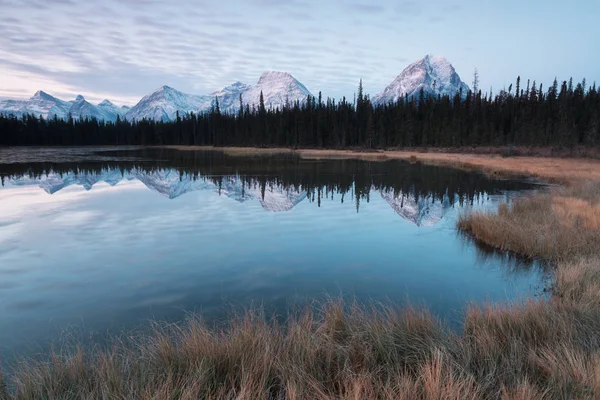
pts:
[164, 103]
[432, 74]
[47, 106]
[278, 89]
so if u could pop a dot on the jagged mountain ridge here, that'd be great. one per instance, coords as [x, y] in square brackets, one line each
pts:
[47, 106]
[278, 89]
[433, 74]
[164, 103]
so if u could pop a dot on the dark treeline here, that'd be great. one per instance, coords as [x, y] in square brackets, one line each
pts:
[320, 180]
[564, 115]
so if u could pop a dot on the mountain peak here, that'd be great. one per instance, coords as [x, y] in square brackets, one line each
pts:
[79, 98]
[432, 74]
[106, 102]
[41, 95]
[163, 89]
[274, 75]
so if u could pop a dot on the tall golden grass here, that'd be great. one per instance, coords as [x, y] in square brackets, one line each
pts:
[533, 350]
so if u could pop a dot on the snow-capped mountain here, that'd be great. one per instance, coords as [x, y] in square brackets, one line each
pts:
[278, 89]
[164, 103]
[40, 104]
[422, 211]
[435, 75]
[113, 109]
[47, 106]
[82, 109]
[229, 96]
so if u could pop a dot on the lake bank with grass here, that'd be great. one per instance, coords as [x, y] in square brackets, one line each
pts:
[535, 348]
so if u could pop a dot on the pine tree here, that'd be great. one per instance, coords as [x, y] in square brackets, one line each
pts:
[476, 81]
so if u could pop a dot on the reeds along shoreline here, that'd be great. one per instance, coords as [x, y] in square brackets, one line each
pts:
[539, 349]
[535, 350]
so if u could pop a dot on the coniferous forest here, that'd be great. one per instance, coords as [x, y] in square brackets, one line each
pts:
[526, 114]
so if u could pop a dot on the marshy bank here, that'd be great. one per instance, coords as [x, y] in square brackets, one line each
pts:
[536, 349]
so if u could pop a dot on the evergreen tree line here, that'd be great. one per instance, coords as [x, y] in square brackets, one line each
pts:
[564, 115]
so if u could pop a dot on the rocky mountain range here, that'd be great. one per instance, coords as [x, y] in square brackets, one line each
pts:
[434, 75]
[47, 106]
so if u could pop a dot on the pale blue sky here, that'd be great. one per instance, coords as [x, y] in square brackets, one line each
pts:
[121, 50]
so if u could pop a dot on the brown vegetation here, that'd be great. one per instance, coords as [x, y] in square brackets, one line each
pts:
[534, 350]
[561, 226]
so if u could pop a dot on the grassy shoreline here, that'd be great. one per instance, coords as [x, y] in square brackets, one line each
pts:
[544, 165]
[533, 350]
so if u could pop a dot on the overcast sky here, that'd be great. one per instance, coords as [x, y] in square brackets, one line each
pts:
[121, 50]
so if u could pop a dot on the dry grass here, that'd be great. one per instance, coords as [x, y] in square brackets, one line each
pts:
[533, 350]
[559, 226]
[559, 337]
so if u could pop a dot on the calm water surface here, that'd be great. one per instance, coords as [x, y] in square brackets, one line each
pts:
[104, 240]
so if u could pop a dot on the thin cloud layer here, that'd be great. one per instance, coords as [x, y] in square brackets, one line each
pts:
[123, 50]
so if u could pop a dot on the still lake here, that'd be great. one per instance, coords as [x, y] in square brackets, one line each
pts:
[101, 240]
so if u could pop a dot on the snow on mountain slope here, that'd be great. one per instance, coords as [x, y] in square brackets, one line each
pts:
[82, 109]
[40, 104]
[435, 75]
[422, 211]
[278, 88]
[229, 96]
[164, 103]
[113, 110]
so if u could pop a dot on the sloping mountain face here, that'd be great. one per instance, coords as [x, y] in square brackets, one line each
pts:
[435, 75]
[422, 211]
[113, 110]
[164, 103]
[46, 106]
[278, 89]
[40, 104]
[229, 96]
[82, 109]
